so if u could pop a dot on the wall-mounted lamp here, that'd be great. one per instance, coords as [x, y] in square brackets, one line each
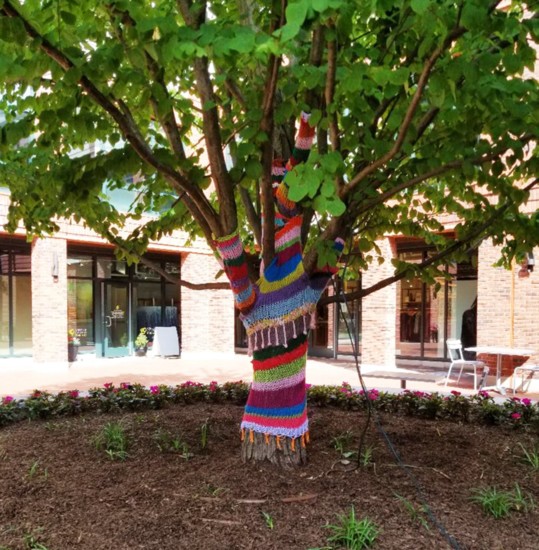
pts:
[54, 269]
[526, 266]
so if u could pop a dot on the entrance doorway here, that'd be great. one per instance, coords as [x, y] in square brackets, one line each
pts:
[115, 318]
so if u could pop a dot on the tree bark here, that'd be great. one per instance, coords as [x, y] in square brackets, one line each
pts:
[283, 452]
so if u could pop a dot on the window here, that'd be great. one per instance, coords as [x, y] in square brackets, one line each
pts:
[15, 301]
[428, 314]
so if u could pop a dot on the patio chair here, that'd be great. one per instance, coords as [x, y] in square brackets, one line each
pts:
[454, 348]
[526, 372]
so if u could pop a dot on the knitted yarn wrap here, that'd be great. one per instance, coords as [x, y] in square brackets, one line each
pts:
[277, 313]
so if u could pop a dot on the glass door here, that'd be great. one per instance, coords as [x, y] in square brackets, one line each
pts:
[116, 319]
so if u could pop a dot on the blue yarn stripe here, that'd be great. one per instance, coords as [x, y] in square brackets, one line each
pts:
[278, 272]
[283, 411]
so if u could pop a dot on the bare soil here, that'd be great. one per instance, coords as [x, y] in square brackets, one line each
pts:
[58, 492]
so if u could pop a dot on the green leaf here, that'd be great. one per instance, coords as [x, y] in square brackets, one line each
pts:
[68, 17]
[296, 12]
[253, 169]
[420, 6]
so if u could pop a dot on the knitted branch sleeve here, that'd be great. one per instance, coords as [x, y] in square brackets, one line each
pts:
[230, 250]
[304, 140]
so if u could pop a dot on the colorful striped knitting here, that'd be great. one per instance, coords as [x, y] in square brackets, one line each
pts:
[277, 313]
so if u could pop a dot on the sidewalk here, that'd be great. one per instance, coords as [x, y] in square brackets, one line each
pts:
[19, 377]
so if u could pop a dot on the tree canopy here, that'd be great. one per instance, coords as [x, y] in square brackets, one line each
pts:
[423, 109]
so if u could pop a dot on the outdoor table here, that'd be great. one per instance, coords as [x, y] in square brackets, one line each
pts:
[499, 351]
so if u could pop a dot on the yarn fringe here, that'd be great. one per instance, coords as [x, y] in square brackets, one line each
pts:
[279, 334]
[304, 439]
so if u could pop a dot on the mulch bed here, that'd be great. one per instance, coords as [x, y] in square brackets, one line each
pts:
[59, 491]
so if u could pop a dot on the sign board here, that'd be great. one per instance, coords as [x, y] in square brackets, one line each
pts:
[165, 341]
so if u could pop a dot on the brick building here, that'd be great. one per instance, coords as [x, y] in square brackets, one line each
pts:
[71, 282]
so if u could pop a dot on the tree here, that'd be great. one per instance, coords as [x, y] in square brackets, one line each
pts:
[421, 109]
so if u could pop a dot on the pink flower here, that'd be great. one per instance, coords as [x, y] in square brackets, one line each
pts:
[154, 390]
[456, 393]
[125, 385]
[108, 386]
[74, 393]
[213, 386]
[374, 395]
[526, 402]
[516, 416]
[7, 399]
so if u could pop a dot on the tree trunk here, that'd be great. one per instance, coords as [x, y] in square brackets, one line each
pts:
[284, 452]
[275, 425]
[277, 312]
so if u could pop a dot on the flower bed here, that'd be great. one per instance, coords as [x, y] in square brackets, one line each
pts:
[480, 408]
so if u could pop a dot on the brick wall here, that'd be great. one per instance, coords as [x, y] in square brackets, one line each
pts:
[507, 309]
[49, 300]
[207, 315]
[378, 315]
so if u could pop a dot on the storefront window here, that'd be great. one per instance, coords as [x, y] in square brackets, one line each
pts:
[80, 266]
[22, 315]
[428, 314]
[80, 311]
[15, 302]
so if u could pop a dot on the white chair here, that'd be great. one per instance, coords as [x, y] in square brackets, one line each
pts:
[454, 348]
[523, 370]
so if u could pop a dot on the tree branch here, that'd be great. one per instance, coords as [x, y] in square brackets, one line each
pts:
[167, 119]
[198, 204]
[252, 215]
[457, 245]
[431, 174]
[267, 127]
[178, 280]
[408, 117]
[210, 121]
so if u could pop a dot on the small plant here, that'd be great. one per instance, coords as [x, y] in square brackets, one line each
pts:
[214, 491]
[522, 502]
[168, 443]
[500, 504]
[204, 430]
[113, 440]
[353, 534]
[365, 458]
[35, 470]
[530, 457]
[72, 337]
[268, 519]
[342, 442]
[141, 341]
[415, 514]
[31, 543]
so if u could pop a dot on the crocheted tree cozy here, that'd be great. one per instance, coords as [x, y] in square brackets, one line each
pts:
[277, 313]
